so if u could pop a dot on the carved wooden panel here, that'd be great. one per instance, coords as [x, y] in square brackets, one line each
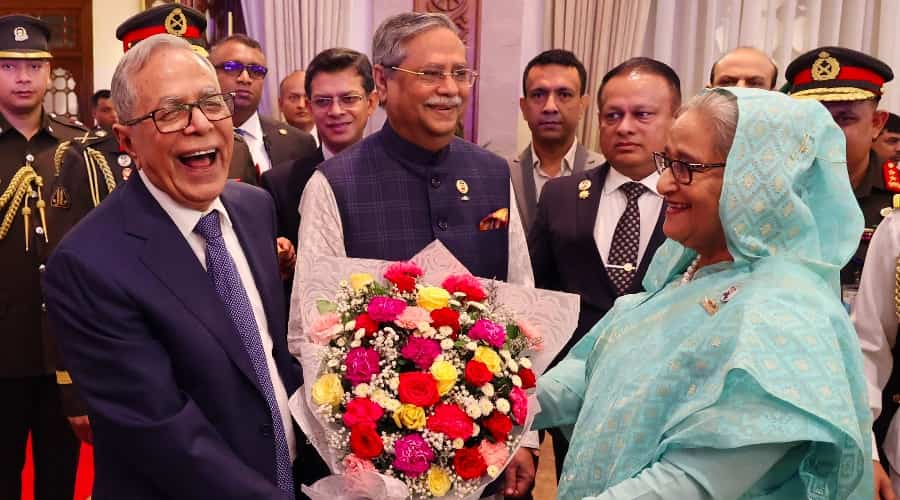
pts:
[466, 14]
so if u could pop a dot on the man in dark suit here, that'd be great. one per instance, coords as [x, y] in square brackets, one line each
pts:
[554, 89]
[595, 232]
[174, 328]
[342, 98]
[241, 68]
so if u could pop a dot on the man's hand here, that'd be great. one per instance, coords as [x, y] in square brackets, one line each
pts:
[883, 489]
[81, 426]
[286, 257]
[519, 476]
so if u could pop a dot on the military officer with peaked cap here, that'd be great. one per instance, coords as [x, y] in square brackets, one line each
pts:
[850, 84]
[29, 225]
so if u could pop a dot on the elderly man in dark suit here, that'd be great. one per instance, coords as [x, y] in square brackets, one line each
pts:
[554, 88]
[596, 231]
[173, 329]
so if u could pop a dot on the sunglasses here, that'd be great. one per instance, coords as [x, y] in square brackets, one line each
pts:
[235, 68]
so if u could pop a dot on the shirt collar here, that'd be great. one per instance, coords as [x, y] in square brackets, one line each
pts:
[326, 153]
[615, 179]
[252, 127]
[568, 163]
[185, 218]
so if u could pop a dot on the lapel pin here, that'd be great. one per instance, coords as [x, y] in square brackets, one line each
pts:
[126, 173]
[101, 133]
[583, 195]
[584, 185]
[463, 188]
[124, 160]
[282, 131]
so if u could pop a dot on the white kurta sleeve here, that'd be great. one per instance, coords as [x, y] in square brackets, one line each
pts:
[321, 232]
[519, 267]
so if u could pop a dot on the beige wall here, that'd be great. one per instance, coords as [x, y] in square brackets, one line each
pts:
[108, 14]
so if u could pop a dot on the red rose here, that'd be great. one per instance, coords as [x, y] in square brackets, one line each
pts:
[365, 441]
[498, 425]
[445, 317]
[469, 463]
[451, 421]
[528, 379]
[368, 324]
[361, 410]
[467, 284]
[417, 388]
[403, 275]
[477, 373]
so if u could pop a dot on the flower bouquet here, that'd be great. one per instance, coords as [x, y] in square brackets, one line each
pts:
[415, 388]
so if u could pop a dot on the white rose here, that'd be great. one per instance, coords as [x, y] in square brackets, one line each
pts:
[471, 346]
[525, 363]
[513, 366]
[516, 380]
[394, 383]
[473, 410]
[446, 331]
[502, 405]
[493, 471]
[362, 390]
[458, 444]
[487, 390]
[486, 406]
[350, 326]
[355, 343]
[341, 342]
[505, 354]
[359, 334]
[447, 344]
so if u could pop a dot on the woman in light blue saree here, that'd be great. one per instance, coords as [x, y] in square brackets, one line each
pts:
[737, 374]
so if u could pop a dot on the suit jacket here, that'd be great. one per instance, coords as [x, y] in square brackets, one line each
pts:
[285, 182]
[175, 406]
[521, 173]
[242, 167]
[285, 143]
[564, 252]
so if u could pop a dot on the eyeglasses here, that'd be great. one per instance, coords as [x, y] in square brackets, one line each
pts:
[683, 172]
[177, 117]
[235, 68]
[344, 101]
[463, 76]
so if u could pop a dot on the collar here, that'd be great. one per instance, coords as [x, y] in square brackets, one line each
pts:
[46, 125]
[252, 128]
[326, 153]
[185, 219]
[615, 179]
[872, 178]
[405, 150]
[568, 163]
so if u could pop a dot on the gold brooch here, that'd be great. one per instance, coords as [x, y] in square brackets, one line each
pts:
[176, 23]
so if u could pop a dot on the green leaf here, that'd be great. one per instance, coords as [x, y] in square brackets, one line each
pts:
[325, 306]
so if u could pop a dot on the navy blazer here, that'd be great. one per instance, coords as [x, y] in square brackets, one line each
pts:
[174, 403]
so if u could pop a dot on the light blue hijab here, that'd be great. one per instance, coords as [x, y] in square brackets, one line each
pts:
[777, 362]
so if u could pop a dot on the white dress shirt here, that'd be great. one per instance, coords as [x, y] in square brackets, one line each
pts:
[251, 130]
[186, 219]
[314, 132]
[875, 318]
[326, 153]
[566, 168]
[612, 205]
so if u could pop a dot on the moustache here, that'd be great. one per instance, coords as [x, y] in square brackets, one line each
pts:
[455, 101]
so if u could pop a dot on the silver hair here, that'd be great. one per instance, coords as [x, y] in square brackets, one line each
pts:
[721, 109]
[387, 44]
[122, 88]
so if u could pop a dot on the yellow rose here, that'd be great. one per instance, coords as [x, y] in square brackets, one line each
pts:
[490, 358]
[358, 281]
[445, 374]
[438, 481]
[432, 297]
[410, 416]
[328, 390]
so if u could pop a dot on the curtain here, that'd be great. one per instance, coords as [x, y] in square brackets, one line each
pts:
[291, 34]
[602, 33]
[692, 34]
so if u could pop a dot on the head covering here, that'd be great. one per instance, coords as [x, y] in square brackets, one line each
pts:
[24, 37]
[893, 124]
[837, 74]
[174, 19]
[758, 351]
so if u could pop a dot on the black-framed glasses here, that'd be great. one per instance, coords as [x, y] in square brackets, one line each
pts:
[177, 117]
[235, 68]
[462, 76]
[344, 101]
[682, 171]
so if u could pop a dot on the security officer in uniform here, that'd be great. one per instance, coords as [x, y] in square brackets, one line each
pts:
[850, 84]
[29, 225]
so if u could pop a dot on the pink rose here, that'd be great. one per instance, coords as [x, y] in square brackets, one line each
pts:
[488, 331]
[361, 410]
[412, 455]
[412, 316]
[322, 329]
[354, 464]
[494, 454]
[535, 342]
[519, 402]
[385, 309]
[421, 351]
[361, 363]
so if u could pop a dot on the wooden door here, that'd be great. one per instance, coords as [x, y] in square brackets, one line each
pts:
[71, 44]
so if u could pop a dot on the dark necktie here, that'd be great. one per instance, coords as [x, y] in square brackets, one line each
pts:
[221, 269]
[623, 252]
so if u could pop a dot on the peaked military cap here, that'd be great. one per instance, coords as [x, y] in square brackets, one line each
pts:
[837, 74]
[174, 19]
[24, 37]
